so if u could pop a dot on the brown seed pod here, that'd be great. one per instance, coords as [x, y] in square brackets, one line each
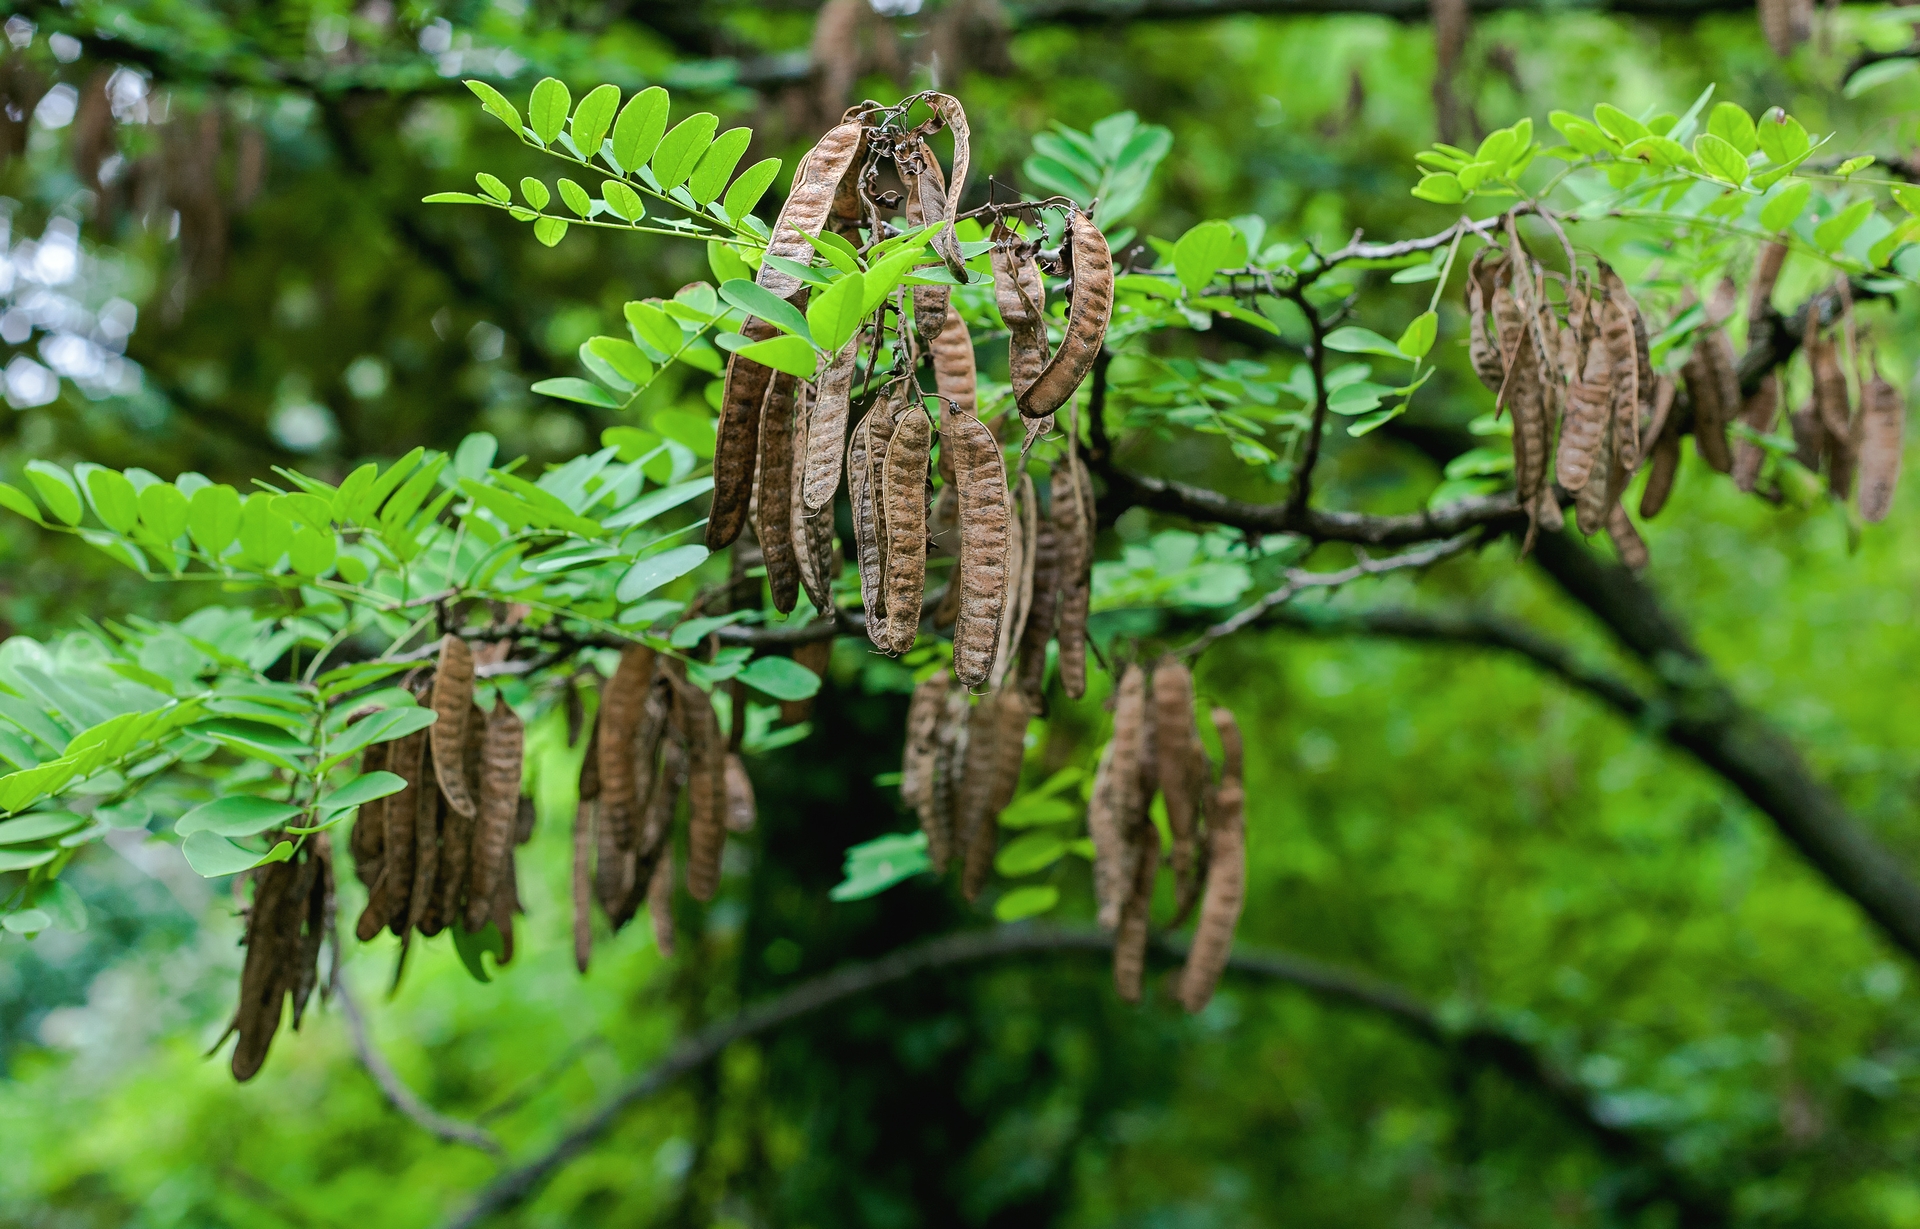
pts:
[1180, 768]
[1623, 363]
[1117, 803]
[1483, 345]
[409, 763]
[506, 903]
[1627, 542]
[816, 183]
[1664, 453]
[1226, 879]
[289, 915]
[1715, 389]
[1043, 613]
[827, 427]
[1005, 715]
[452, 697]
[775, 494]
[1883, 420]
[955, 376]
[1130, 938]
[621, 702]
[524, 820]
[668, 784]
[1766, 274]
[456, 831]
[660, 903]
[948, 112]
[741, 808]
[1021, 295]
[949, 766]
[706, 791]
[1593, 502]
[1088, 311]
[904, 496]
[815, 655]
[1073, 518]
[1833, 404]
[504, 755]
[812, 534]
[366, 841]
[926, 203]
[1022, 526]
[736, 444]
[980, 478]
[1786, 24]
[1584, 431]
[864, 502]
[919, 760]
[1758, 414]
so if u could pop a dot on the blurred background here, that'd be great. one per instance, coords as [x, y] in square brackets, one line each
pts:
[216, 259]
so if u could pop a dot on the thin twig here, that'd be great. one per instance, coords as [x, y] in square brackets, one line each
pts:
[398, 1095]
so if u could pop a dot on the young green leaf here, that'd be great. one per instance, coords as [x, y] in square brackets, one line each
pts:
[576, 197]
[493, 187]
[593, 117]
[1030, 852]
[1205, 250]
[14, 499]
[1419, 336]
[1731, 123]
[654, 327]
[214, 856]
[793, 355]
[1442, 189]
[112, 496]
[1025, 902]
[547, 109]
[1352, 339]
[534, 192]
[495, 104]
[679, 151]
[236, 815]
[163, 510]
[1720, 158]
[623, 201]
[1836, 230]
[573, 388]
[624, 357]
[716, 165]
[1786, 206]
[550, 231]
[57, 488]
[1782, 138]
[780, 677]
[1618, 124]
[213, 518]
[637, 132]
[758, 301]
[650, 573]
[312, 551]
[749, 188]
[727, 263]
[833, 315]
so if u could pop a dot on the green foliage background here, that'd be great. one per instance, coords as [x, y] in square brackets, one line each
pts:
[1442, 818]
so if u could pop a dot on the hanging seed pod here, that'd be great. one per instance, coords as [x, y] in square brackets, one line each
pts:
[926, 202]
[1833, 404]
[1089, 309]
[775, 503]
[816, 183]
[1180, 766]
[456, 831]
[452, 697]
[811, 534]
[668, 784]
[737, 437]
[524, 818]
[1589, 408]
[741, 808]
[1883, 419]
[1043, 613]
[980, 478]
[506, 903]
[866, 526]
[954, 374]
[1521, 389]
[1623, 364]
[1627, 542]
[1809, 437]
[1020, 583]
[1593, 502]
[1758, 414]
[621, 701]
[974, 790]
[503, 757]
[1007, 714]
[1130, 938]
[949, 763]
[366, 841]
[1073, 519]
[1226, 875]
[1021, 295]
[706, 792]
[1786, 24]
[946, 244]
[1483, 346]
[827, 426]
[292, 902]
[410, 764]
[1766, 273]
[583, 839]
[660, 903]
[1715, 389]
[1117, 802]
[904, 496]
[1665, 453]
[815, 655]
[918, 758]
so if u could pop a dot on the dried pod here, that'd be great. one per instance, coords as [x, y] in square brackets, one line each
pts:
[1786, 24]
[1043, 612]
[410, 764]
[1073, 520]
[775, 504]
[706, 791]
[1521, 389]
[621, 702]
[289, 916]
[1588, 420]
[816, 183]
[1130, 938]
[903, 494]
[1483, 346]
[367, 840]
[815, 655]
[1022, 527]
[1627, 542]
[864, 502]
[949, 765]
[1757, 414]
[1180, 768]
[954, 374]
[980, 478]
[949, 113]
[1021, 296]
[1665, 454]
[1715, 388]
[660, 903]
[456, 830]
[503, 757]
[1623, 363]
[1809, 437]
[1833, 404]
[737, 437]
[1117, 802]
[919, 758]
[1005, 714]
[926, 202]
[741, 808]
[1089, 309]
[827, 427]
[452, 697]
[1226, 877]
[1766, 273]
[811, 533]
[1883, 420]
[1592, 503]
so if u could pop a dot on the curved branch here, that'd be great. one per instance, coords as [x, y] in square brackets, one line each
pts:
[395, 1089]
[1485, 1045]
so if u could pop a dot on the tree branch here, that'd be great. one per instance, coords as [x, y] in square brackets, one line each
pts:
[1484, 1044]
[394, 1088]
